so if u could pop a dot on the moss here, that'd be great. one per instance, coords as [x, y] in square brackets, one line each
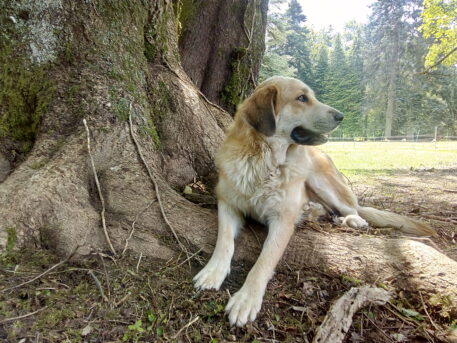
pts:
[152, 132]
[11, 238]
[38, 164]
[351, 281]
[55, 316]
[149, 51]
[185, 11]
[162, 105]
[121, 108]
[25, 95]
[236, 87]
[157, 38]
[164, 100]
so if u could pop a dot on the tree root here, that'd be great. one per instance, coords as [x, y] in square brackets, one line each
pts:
[339, 318]
[100, 194]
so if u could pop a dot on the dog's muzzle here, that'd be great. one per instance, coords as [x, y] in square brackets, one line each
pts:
[303, 136]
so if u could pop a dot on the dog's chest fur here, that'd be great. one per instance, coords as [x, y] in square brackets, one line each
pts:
[261, 185]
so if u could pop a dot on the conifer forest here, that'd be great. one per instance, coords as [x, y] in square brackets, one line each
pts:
[395, 76]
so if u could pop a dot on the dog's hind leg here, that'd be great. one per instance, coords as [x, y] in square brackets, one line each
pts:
[218, 267]
[331, 191]
[328, 187]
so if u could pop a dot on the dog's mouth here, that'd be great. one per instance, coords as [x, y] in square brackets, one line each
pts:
[303, 136]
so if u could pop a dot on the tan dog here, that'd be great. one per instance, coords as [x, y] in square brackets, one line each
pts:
[268, 170]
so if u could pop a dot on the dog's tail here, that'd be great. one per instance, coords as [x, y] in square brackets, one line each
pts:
[378, 218]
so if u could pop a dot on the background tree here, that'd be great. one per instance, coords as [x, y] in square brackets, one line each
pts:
[439, 22]
[321, 71]
[275, 61]
[386, 32]
[287, 41]
[297, 42]
[374, 72]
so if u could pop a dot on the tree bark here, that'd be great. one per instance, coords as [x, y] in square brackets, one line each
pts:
[105, 61]
[96, 60]
[221, 46]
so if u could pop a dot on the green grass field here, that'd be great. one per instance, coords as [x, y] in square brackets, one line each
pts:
[386, 157]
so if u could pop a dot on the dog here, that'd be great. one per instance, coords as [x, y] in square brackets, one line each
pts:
[270, 170]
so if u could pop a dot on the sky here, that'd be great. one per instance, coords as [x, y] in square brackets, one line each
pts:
[323, 13]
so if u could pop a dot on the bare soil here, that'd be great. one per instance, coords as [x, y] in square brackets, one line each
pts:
[138, 299]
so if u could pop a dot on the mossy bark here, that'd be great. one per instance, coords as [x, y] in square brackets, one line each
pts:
[102, 61]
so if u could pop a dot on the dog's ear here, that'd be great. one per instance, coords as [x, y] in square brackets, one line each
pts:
[259, 110]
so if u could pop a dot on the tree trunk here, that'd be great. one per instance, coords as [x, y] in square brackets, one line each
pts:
[106, 61]
[392, 85]
[221, 46]
[65, 61]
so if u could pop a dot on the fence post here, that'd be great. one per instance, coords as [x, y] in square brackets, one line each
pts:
[436, 134]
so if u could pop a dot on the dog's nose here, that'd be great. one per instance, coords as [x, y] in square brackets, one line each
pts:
[338, 116]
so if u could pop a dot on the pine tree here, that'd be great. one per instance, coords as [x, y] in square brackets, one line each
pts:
[320, 72]
[276, 61]
[388, 33]
[297, 41]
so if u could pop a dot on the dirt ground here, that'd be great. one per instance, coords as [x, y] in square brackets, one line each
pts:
[137, 299]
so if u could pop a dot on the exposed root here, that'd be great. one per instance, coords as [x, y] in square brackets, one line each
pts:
[339, 318]
[102, 200]
[154, 182]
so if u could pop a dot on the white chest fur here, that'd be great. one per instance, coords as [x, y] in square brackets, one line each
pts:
[266, 184]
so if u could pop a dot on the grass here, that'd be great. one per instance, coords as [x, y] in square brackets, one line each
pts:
[385, 157]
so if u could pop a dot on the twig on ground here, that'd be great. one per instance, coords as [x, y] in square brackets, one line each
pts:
[44, 273]
[339, 318]
[108, 286]
[99, 285]
[441, 219]
[255, 235]
[23, 316]
[185, 327]
[133, 227]
[139, 261]
[428, 315]
[154, 182]
[379, 329]
[187, 259]
[124, 298]
[397, 314]
[102, 200]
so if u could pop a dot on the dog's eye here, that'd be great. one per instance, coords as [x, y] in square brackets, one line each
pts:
[303, 98]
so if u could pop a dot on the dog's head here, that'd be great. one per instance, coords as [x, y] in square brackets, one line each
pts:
[287, 108]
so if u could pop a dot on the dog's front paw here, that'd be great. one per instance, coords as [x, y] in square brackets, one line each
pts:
[212, 276]
[353, 221]
[244, 306]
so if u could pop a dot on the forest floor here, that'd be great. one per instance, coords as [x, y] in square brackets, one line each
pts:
[142, 300]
